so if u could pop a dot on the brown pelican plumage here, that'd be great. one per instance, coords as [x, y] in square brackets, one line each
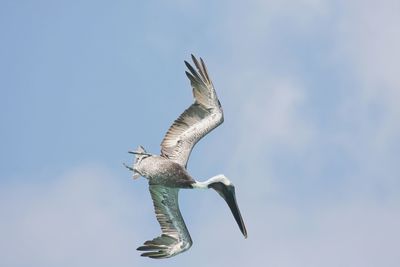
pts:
[167, 173]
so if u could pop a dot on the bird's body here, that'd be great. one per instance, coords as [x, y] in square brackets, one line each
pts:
[167, 173]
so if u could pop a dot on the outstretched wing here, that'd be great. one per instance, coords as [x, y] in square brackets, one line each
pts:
[199, 119]
[175, 237]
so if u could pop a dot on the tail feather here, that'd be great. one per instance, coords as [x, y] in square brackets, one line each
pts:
[140, 153]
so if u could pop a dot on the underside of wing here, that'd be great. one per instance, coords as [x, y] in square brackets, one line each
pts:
[175, 237]
[200, 118]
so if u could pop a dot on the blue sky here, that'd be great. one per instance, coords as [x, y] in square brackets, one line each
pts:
[310, 92]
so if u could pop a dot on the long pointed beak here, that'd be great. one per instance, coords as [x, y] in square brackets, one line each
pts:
[228, 193]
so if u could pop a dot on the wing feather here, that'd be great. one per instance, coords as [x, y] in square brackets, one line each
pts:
[204, 115]
[175, 237]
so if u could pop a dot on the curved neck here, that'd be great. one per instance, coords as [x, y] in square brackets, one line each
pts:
[215, 179]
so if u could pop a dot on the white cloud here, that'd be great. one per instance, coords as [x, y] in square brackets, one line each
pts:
[83, 218]
[87, 217]
[368, 39]
[266, 119]
[352, 221]
[268, 105]
[353, 232]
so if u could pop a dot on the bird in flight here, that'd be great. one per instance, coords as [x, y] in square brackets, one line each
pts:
[167, 173]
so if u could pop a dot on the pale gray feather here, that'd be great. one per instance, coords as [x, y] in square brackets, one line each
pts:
[199, 119]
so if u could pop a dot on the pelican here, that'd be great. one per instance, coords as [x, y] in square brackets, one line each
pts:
[167, 173]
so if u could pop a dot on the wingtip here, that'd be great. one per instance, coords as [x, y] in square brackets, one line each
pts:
[148, 248]
[196, 62]
[154, 255]
[190, 76]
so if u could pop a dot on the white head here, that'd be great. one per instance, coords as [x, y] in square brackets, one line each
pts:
[220, 178]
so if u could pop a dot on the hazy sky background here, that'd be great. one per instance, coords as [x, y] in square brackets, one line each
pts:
[310, 91]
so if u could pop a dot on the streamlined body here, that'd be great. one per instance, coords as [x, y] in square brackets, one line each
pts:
[167, 173]
[163, 171]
